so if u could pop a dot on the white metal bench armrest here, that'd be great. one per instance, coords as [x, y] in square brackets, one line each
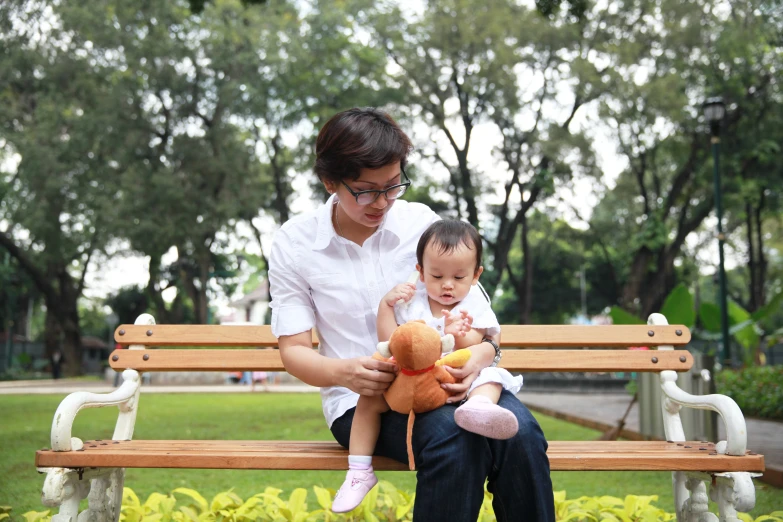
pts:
[733, 420]
[70, 406]
[125, 397]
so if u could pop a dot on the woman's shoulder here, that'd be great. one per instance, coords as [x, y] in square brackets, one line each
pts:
[302, 227]
[301, 221]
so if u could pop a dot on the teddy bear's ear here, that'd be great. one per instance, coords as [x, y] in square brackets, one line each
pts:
[383, 349]
[447, 343]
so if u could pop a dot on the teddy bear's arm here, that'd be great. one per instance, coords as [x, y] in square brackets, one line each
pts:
[379, 357]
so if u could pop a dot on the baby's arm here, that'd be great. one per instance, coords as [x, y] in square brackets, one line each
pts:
[460, 326]
[471, 338]
[387, 323]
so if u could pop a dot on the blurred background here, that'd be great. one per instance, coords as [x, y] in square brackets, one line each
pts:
[149, 150]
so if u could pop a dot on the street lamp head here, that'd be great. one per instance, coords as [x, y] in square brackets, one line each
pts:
[714, 110]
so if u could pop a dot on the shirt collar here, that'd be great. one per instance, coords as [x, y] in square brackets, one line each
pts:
[326, 233]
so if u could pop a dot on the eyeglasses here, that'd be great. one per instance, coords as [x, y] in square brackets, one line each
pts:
[365, 197]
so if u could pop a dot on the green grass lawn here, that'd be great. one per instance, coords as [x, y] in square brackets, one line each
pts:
[25, 422]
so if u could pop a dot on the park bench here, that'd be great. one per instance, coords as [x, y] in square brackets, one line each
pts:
[94, 469]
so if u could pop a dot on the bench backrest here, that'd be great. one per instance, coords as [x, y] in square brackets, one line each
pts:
[521, 348]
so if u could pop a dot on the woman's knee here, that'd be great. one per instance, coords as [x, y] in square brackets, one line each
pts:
[436, 433]
[530, 436]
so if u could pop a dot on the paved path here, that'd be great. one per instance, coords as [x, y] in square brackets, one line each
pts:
[605, 410]
[600, 411]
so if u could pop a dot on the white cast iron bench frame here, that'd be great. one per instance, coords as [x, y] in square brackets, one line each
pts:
[96, 471]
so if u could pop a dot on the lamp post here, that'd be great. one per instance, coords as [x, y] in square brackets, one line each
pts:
[714, 111]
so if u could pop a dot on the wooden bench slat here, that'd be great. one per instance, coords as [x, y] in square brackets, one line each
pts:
[255, 445]
[563, 456]
[523, 336]
[513, 360]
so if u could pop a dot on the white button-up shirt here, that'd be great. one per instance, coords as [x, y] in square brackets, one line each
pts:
[320, 279]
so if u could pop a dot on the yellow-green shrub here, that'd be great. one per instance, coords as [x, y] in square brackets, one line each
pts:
[384, 503]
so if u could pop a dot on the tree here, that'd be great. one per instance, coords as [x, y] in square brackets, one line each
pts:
[58, 118]
[462, 65]
[671, 57]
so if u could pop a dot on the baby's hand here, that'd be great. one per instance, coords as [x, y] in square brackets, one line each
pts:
[457, 324]
[402, 292]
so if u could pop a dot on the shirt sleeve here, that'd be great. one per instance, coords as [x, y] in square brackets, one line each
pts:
[292, 306]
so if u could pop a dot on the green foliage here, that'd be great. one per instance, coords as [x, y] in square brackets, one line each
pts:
[384, 503]
[620, 316]
[757, 390]
[678, 307]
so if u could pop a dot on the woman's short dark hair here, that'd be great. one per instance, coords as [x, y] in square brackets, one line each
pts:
[447, 235]
[356, 139]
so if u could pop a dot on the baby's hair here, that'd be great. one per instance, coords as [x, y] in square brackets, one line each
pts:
[447, 235]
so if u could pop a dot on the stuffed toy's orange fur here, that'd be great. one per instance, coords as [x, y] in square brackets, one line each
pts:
[417, 350]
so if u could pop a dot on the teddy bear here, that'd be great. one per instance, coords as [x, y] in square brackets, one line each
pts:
[417, 348]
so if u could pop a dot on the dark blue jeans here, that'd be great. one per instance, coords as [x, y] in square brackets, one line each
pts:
[452, 465]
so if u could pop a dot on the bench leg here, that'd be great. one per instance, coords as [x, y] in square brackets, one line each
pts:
[733, 492]
[105, 498]
[696, 507]
[66, 488]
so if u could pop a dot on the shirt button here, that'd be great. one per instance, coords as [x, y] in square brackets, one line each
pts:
[439, 327]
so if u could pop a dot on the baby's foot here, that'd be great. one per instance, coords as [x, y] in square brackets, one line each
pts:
[358, 482]
[481, 416]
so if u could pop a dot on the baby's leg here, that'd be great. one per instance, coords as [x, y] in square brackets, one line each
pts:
[490, 390]
[367, 424]
[364, 435]
[481, 414]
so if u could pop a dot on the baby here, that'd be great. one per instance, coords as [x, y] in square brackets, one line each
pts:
[449, 265]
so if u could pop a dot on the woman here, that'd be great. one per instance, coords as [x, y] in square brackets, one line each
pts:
[330, 268]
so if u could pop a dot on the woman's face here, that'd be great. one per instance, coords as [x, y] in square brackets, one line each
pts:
[370, 215]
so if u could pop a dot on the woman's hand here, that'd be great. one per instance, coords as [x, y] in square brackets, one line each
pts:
[367, 376]
[480, 358]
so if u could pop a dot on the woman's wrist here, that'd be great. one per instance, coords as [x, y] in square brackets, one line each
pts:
[338, 368]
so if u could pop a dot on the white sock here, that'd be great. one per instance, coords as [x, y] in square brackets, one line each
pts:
[480, 398]
[359, 461]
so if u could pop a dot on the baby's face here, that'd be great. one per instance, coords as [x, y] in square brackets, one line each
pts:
[448, 277]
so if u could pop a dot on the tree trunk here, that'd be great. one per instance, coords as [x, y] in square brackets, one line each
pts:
[52, 332]
[280, 202]
[154, 294]
[72, 343]
[468, 192]
[62, 333]
[657, 286]
[757, 263]
[526, 294]
[753, 304]
[636, 279]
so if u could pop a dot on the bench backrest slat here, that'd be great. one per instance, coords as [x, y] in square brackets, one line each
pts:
[516, 336]
[513, 360]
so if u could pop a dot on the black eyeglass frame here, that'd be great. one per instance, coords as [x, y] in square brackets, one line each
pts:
[407, 183]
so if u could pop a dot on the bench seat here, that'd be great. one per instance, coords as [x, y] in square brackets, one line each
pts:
[252, 454]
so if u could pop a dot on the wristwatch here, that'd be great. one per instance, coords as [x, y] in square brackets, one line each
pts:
[498, 353]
